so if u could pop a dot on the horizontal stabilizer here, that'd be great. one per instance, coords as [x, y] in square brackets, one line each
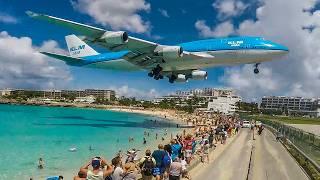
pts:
[67, 59]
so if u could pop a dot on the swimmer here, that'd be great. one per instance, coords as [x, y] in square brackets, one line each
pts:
[41, 163]
[144, 141]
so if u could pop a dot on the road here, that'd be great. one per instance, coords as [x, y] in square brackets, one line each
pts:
[269, 161]
[233, 162]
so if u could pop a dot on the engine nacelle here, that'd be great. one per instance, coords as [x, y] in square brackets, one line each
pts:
[181, 78]
[171, 52]
[118, 37]
[199, 75]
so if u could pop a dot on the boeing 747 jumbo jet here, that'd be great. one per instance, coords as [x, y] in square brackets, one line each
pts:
[179, 63]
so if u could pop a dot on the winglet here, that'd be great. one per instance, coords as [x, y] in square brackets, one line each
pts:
[31, 14]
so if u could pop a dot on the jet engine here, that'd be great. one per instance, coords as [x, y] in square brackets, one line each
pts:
[181, 78]
[118, 37]
[199, 75]
[171, 52]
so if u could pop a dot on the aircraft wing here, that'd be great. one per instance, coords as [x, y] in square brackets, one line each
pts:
[92, 34]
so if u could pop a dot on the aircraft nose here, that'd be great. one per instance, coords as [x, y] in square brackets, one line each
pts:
[277, 49]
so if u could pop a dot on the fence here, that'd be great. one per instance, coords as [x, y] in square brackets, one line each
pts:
[306, 143]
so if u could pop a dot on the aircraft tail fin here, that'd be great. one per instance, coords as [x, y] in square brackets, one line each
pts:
[77, 48]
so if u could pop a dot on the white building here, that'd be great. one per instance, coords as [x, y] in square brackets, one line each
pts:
[224, 104]
[86, 99]
[292, 105]
[5, 92]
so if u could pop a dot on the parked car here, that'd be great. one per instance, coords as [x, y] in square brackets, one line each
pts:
[246, 124]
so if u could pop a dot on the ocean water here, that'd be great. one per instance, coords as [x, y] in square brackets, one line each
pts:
[30, 132]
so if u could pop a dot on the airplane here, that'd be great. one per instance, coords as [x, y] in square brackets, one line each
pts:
[178, 63]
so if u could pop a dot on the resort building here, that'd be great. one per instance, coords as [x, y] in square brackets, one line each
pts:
[101, 93]
[292, 105]
[224, 104]
[204, 96]
[87, 99]
[61, 94]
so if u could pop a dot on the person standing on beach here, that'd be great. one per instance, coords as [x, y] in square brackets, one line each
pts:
[98, 171]
[187, 143]
[205, 151]
[176, 148]
[158, 156]
[211, 137]
[129, 171]
[117, 165]
[146, 165]
[175, 169]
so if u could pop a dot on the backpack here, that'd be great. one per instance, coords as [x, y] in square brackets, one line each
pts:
[147, 166]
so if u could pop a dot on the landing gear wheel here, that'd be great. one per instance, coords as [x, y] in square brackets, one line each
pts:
[256, 70]
[150, 74]
[172, 78]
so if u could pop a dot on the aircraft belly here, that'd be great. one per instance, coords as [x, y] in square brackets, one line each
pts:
[221, 58]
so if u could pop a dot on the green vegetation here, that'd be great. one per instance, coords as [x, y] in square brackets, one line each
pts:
[248, 107]
[288, 120]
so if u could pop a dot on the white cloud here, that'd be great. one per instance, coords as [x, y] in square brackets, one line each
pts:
[119, 15]
[221, 30]
[21, 66]
[299, 73]
[127, 91]
[5, 18]
[164, 12]
[229, 8]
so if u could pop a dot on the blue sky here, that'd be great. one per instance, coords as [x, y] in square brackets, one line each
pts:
[165, 22]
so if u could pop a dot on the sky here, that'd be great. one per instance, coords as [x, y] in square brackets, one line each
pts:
[293, 23]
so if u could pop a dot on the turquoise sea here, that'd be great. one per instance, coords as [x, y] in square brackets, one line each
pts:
[30, 132]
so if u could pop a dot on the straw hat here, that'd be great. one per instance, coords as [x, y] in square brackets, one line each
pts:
[130, 166]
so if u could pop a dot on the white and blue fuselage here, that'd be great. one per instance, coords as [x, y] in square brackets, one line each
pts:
[212, 52]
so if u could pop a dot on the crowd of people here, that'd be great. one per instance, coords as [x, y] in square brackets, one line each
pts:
[168, 161]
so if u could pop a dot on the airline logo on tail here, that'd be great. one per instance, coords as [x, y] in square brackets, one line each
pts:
[75, 48]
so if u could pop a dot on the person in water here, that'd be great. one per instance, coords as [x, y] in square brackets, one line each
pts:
[144, 141]
[40, 163]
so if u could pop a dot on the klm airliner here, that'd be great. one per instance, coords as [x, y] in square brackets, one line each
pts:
[179, 63]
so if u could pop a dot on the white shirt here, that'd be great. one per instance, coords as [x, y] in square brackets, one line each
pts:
[117, 173]
[184, 164]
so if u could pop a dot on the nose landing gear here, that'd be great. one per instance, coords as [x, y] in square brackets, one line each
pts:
[256, 69]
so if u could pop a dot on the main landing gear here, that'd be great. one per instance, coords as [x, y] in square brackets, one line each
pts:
[155, 73]
[256, 69]
[172, 78]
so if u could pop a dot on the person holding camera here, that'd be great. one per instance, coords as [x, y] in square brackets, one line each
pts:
[98, 171]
